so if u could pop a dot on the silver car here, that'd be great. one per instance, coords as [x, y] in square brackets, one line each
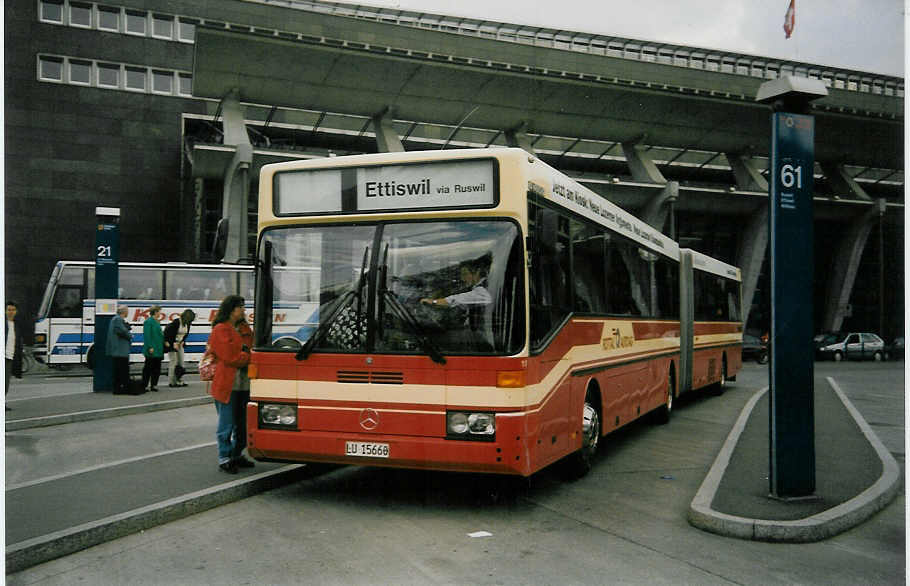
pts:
[855, 346]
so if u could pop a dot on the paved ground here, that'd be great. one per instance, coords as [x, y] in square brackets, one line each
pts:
[624, 523]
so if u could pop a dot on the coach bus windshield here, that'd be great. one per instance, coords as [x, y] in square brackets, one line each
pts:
[435, 288]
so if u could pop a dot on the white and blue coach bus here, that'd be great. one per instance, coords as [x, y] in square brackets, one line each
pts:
[65, 323]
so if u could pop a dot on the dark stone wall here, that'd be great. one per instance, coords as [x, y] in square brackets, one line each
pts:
[69, 149]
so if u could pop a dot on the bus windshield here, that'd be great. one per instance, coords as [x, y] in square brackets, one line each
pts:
[440, 287]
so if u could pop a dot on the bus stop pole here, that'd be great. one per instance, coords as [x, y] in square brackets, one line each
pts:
[792, 377]
[107, 283]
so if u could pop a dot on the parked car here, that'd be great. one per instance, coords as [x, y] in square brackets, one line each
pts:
[895, 350]
[826, 339]
[853, 346]
[754, 349]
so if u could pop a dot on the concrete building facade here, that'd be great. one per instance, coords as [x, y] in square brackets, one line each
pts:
[165, 108]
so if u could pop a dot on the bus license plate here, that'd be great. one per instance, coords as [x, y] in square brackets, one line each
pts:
[366, 449]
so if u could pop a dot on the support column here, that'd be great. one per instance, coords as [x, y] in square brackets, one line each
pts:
[850, 251]
[641, 165]
[387, 140]
[747, 175]
[753, 248]
[658, 208]
[516, 137]
[236, 194]
[753, 245]
[845, 266]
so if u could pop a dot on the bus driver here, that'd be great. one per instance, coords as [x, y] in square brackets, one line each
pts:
[473, 275]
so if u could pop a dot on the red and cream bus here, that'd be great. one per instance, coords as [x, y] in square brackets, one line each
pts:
[477, 311]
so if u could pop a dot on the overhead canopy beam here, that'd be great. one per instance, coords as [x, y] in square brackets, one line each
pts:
[842, 183]
[420, 86]
[387, 139]
[290, 73]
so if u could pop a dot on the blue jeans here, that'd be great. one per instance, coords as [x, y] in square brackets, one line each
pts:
[231, 432]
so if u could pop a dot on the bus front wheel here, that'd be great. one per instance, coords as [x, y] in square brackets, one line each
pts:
[579, 463]
[90, 358]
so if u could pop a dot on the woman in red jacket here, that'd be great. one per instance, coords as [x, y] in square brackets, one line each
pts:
[230, 341]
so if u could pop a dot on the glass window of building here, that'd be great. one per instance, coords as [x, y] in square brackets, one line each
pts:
[186, 84]
[186, 30]
[80, 14]
[81, 72]
[163, 26]
[135, 78]
[109, 18]
[50, 68]
[136, 22]
[108, 75]
[52, 11]
[163, 82]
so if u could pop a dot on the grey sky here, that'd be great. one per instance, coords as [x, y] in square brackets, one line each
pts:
[867, 35]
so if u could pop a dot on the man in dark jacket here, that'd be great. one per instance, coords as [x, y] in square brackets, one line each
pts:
[13, 345]
[119, 342]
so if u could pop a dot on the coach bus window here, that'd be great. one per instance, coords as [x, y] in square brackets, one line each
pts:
[667, 289]
[716, 298]
[70, 292]
[588, 257]
[204, 285]
[620, 282]
[140, 284]
[550, 274]
[247, 281]
[457, 282]
[431, 288]
[67, 301]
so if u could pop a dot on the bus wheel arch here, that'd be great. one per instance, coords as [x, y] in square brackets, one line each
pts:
[579, 463]
[663, 413]
[90, 357]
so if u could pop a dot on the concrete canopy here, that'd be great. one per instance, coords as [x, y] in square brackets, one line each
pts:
[287, 72]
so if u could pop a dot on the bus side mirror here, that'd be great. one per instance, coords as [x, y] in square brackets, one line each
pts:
[219, 247]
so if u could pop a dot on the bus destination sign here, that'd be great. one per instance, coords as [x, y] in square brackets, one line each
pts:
[432, 185]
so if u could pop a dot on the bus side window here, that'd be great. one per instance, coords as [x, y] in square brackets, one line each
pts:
[67, 302]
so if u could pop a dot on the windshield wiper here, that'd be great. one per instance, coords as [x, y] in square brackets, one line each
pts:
[405, 315]
[341, 304]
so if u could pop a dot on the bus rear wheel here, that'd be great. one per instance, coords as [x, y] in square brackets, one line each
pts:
[579, 463]
[663, 413]
[720, 386]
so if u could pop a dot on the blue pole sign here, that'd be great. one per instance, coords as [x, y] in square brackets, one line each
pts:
[107, 283]
[792, 425]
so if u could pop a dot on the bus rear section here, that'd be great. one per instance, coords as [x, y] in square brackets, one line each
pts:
[712, 325]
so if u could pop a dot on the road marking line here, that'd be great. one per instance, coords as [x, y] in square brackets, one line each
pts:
[107, 465]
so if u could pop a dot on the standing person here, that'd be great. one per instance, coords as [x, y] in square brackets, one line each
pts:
[175, 336]
[119, 341]
[230, 342]
[13, 345]
[152, 349]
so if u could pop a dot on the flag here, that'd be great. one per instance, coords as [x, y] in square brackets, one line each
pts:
[790, 19]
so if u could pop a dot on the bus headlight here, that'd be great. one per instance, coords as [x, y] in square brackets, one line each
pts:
[467, 425]
[278, 415]
[40, 339]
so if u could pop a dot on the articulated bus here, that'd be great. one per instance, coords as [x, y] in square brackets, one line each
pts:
[65, 324]
[476, 311]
